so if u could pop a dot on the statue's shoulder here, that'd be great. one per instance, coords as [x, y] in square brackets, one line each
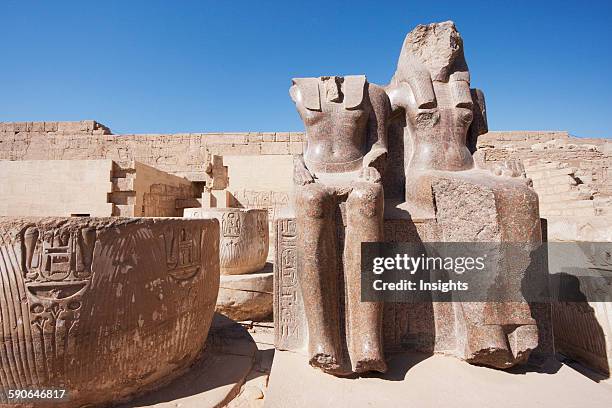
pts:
[306, 91]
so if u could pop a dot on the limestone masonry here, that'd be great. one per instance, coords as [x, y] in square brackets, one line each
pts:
[573, 176]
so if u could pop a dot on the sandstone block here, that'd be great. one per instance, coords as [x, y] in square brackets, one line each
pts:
[246, 297]
[275, 148]
[296, 147]
[50, 126]
[282, 136]
[268, 137]
[255, 137]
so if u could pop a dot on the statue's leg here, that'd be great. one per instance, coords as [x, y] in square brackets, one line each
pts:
[364, 212]
[317, 263]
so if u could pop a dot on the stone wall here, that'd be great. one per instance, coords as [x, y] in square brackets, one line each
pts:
[53, 187]
[572, 176]
[98, 188]
[181, 154]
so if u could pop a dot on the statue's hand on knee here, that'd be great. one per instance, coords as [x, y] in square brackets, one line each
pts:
[369, 174]
[512, 168]
[301, 174]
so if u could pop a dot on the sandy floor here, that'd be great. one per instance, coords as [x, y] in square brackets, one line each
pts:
[283, 379]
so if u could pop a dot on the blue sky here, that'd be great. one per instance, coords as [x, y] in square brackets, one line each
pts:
[205, 66]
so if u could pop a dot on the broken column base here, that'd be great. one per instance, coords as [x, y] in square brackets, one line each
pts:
[246, 297]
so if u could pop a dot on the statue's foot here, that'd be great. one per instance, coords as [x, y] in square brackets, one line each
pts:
[369, 357]
[488, 346]
[329, 364]
[523, 339]
[368, 364]
[497, 347]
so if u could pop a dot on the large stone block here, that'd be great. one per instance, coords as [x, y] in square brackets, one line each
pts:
[103, 307]
[246, 297]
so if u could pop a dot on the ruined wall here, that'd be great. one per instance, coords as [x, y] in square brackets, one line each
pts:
[573, 176]
[158, 194]
[261, 180]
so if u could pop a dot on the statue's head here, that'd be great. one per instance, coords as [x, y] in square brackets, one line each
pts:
[432, 85]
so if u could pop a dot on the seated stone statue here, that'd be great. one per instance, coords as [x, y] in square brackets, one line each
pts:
[443, 116]
[345, 120]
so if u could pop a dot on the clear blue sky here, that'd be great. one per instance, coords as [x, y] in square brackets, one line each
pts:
[204, 66]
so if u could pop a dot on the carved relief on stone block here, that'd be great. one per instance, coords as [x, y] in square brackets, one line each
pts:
[244, 237]
[183, 252]
[289, 320]
[57, 273]
[138, 294]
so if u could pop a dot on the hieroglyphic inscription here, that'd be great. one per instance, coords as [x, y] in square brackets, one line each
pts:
[288, 307]
[183, 252]
[57, 271]
[273, 201]
[230, 224]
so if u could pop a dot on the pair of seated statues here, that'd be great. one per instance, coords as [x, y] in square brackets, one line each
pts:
[347, 122]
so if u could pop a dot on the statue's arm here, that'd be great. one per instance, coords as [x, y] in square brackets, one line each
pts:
[301, 174]
[379, 117]
[479, 122]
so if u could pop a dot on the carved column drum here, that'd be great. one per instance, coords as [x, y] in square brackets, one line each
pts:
[103, 307]
[243, 246]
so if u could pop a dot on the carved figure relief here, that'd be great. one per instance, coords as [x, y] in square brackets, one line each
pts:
[183, 254]
[81, 287]
[231, 224]
[243, 246]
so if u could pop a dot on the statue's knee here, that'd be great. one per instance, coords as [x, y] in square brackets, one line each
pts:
[367, 199]
[313, 200]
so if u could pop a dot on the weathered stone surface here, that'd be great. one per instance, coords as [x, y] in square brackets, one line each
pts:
[215, 378]
[583, 330]
[432, 49]
[104, 307]
[217, 173]
[346, 128]
[246, 297]
[244, 237]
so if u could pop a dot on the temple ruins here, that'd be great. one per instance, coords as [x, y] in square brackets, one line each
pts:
[224, 269]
